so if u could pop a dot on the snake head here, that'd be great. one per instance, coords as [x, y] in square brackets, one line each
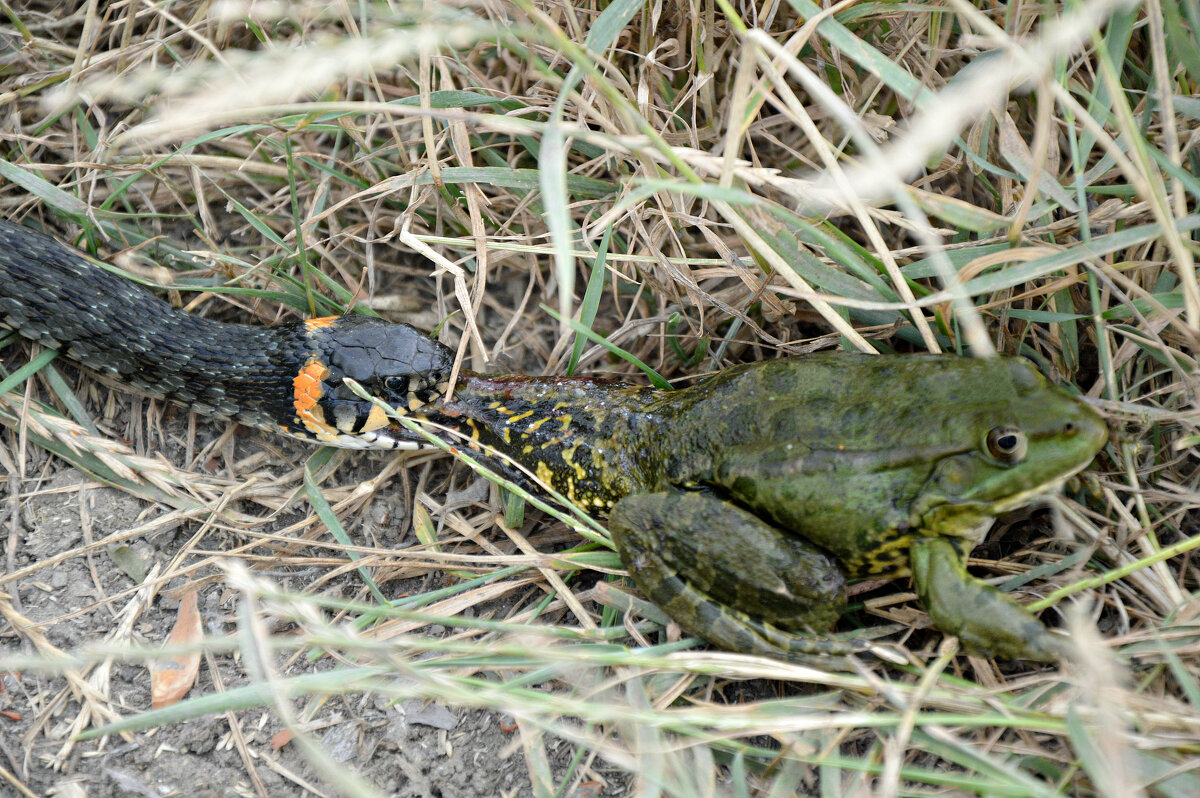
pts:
[393, 362]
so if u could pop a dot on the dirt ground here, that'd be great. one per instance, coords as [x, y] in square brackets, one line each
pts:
[412, 748]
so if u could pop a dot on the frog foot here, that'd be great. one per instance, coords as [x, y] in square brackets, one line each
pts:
[987, 621]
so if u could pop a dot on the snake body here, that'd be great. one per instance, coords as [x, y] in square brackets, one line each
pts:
[284, 378]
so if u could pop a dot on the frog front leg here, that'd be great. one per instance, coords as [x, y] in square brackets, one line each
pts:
[727, 576]
[986, 620]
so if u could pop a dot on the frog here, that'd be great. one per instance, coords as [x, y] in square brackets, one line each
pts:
[744, 504]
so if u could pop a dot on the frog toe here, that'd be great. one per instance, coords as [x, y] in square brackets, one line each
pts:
[1025, 639]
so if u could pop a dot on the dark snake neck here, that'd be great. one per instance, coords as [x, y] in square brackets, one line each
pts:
[56, 298]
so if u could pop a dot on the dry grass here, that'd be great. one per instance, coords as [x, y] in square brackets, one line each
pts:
[701, 185]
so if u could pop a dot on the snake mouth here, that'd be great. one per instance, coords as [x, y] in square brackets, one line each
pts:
[375, 428]
[378, 428]
[418, 397]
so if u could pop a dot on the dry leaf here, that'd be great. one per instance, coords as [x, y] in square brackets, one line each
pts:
[172, 677]
[129, 561]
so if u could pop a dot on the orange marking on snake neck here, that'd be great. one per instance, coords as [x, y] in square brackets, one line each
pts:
[307, 389]
[312, 325]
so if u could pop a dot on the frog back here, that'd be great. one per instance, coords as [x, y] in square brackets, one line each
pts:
[580, 437]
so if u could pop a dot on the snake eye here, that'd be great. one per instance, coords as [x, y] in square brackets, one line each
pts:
[397, 385]
[1006, 444]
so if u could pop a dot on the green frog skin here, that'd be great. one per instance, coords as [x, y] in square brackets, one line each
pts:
[742, 504]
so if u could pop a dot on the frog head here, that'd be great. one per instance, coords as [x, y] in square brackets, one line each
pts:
[1025, 446]
[871, 451]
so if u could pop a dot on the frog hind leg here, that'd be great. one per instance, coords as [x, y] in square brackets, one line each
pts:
[984, 619]
[727, 576]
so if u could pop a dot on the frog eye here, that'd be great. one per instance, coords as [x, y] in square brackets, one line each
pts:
[1006, 444]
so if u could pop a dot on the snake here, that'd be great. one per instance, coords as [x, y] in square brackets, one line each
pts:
[287, 378]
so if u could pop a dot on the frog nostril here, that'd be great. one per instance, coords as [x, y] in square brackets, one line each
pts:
[1069, 428]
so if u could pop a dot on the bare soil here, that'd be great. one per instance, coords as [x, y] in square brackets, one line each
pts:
[412, 748]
